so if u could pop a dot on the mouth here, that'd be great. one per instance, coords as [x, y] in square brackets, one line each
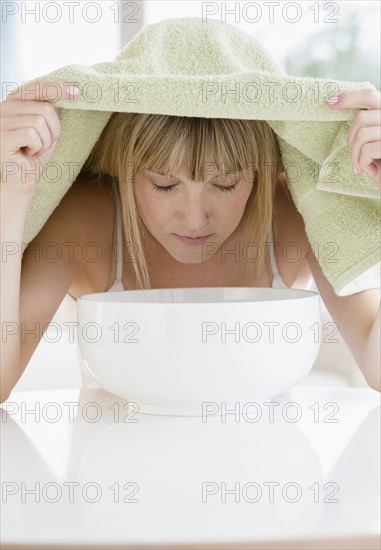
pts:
[192, 240]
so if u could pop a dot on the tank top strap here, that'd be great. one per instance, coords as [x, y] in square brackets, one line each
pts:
[272, 252]
[119, 239]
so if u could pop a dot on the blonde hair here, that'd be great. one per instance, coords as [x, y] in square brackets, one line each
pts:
[132, 142]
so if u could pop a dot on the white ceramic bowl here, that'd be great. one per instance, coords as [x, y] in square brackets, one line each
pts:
[183, 351]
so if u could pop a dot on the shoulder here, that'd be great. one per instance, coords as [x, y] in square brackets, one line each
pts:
[87, 221]
[86, 212]
[87, 191]
[82, 226]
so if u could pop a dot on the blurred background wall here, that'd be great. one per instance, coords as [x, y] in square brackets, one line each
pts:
[309, 38]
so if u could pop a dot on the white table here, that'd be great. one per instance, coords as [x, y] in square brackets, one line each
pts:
[308, 477]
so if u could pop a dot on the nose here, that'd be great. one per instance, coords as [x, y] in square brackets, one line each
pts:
[194, 214]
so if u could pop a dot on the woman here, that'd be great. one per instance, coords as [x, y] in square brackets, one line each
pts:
[219, 182]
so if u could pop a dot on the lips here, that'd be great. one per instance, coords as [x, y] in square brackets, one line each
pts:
[189, 237]
[192, 240]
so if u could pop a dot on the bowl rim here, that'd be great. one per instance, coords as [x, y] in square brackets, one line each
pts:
[115, 297]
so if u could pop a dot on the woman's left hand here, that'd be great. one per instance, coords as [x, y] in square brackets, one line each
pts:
[364, 136]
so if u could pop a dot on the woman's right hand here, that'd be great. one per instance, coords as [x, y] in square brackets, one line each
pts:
[30, 127]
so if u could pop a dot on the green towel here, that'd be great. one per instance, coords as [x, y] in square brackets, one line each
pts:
[187, 67]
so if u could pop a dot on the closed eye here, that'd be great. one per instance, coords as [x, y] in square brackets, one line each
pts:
[167, 188]
[160, 189]
[229, 188]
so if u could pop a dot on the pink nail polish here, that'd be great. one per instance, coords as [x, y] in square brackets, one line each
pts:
[333, 100]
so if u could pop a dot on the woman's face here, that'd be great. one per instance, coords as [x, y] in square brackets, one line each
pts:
[176, 206]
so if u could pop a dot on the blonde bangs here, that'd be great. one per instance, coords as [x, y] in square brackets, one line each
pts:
[206, 147]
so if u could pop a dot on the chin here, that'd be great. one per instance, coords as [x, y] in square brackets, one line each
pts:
[184, 255]
[188, 260]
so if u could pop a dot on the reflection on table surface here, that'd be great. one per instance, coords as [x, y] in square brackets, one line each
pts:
[85, 467]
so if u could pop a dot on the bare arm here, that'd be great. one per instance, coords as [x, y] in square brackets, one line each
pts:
[30, 127]
[34, 294]
[372, 355]
[13, 216]
[358, 320]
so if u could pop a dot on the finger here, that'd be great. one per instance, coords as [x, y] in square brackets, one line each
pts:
[361, 119]
[358, 99]
[37, 122]
[28, 136]
[38, 114]
[43, 90]
[364, 136]
[15, 108]
[370, 152]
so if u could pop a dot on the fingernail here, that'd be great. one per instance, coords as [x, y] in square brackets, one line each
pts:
[333, 100]
[355, 169]
[72, 90]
